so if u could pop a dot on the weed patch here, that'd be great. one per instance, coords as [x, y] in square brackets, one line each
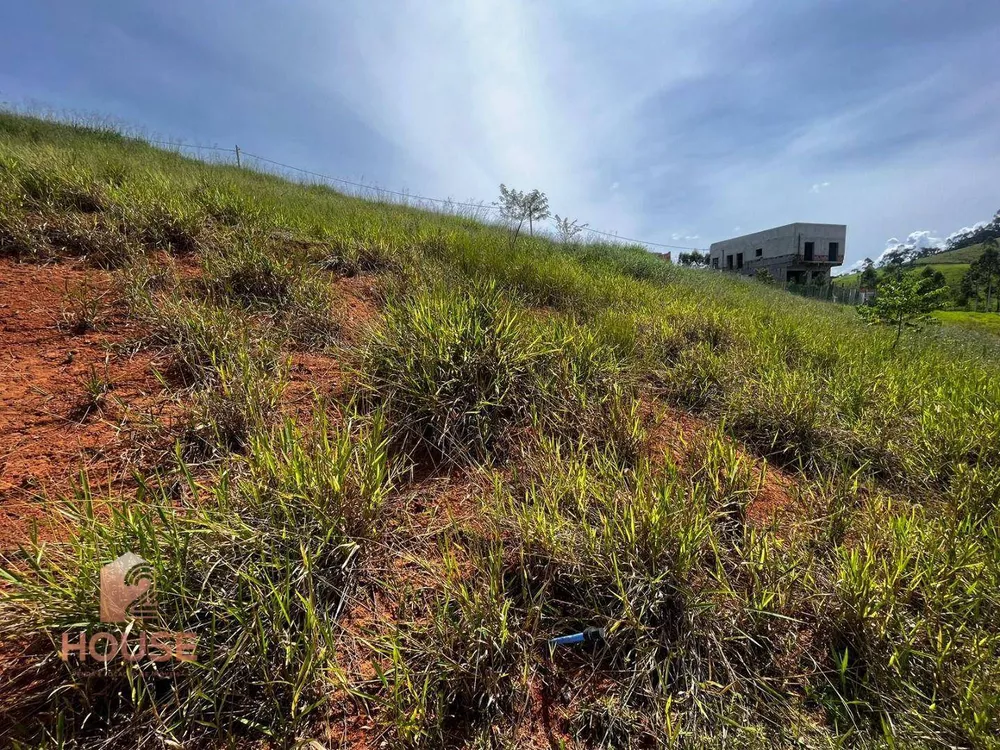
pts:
[259, 574]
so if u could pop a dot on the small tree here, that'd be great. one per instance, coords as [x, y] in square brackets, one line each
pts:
[536, 206]
[987, 271]
[764, 276]
[517, 206]
[903, 302]
[969, 289]
[568, 230]
[934, 276]
[869, 276]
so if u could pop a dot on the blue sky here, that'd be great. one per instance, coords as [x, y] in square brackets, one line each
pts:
[677, 121]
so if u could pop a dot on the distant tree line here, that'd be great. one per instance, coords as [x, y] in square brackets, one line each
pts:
[694, 258]
[904, 254]
[981, 282]
[977, 235]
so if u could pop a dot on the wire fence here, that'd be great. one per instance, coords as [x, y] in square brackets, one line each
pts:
[479, 210]
[830, 293]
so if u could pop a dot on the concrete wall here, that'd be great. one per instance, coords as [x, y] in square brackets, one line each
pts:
[782, 251]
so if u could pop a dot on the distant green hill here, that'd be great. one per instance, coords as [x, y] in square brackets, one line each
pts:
[953, 264]
[964, 255]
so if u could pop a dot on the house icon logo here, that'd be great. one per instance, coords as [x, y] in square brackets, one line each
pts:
[127, 590]
[127, 596]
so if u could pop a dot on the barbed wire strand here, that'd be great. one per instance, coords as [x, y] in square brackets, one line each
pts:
[408, 196]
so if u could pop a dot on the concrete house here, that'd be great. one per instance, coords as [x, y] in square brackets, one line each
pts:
[797, 253]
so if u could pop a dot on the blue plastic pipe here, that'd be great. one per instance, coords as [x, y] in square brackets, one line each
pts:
[590, 634]
[566, 640]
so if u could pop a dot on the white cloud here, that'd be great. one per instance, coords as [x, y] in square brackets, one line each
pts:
[855, 266]
[964, 231]
[819, 186]
[614, 186]
[920, 240]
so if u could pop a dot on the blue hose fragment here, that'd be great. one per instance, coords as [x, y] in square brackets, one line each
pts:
[589, 635]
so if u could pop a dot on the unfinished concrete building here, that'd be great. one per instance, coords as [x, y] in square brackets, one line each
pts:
[796, 253]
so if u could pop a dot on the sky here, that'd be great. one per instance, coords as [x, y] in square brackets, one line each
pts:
[674, 121]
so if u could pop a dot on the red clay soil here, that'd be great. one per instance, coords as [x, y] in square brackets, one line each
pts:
[674, 433]
[322, 375]
[312, 376]
[47, 433]
[356, 303]
[775, 500]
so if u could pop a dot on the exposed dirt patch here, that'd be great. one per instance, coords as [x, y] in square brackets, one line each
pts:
[52, 423]
[357, 295]
[431, 516]
[323, 375]
[674, 434]
[776, 500]
[313, 376]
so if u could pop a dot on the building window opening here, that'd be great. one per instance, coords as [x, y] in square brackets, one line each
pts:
[729, 262]
[715, 263]
[809, 250]
[739, 260]
[834, 250]
[759, 252]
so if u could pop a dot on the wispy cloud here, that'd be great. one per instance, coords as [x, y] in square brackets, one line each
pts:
[819, 186]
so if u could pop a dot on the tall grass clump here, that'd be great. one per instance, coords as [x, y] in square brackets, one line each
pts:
[453, 370]
[587, 390]
[914, 632]
[464, 374]
[236, 371]
[251, 272]
[260, 568]
[248, 272]
[697, 610]
[457, 664]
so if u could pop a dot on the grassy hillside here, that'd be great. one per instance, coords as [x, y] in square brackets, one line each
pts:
[788, 532]
[975, 321]
[953, 265]
[962, 256]
[952, 272]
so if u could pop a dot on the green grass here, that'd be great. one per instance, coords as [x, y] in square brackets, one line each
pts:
[963, 255]
[974, 321]
[327, 575]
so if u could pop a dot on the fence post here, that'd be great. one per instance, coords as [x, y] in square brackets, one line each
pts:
[238, 156]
